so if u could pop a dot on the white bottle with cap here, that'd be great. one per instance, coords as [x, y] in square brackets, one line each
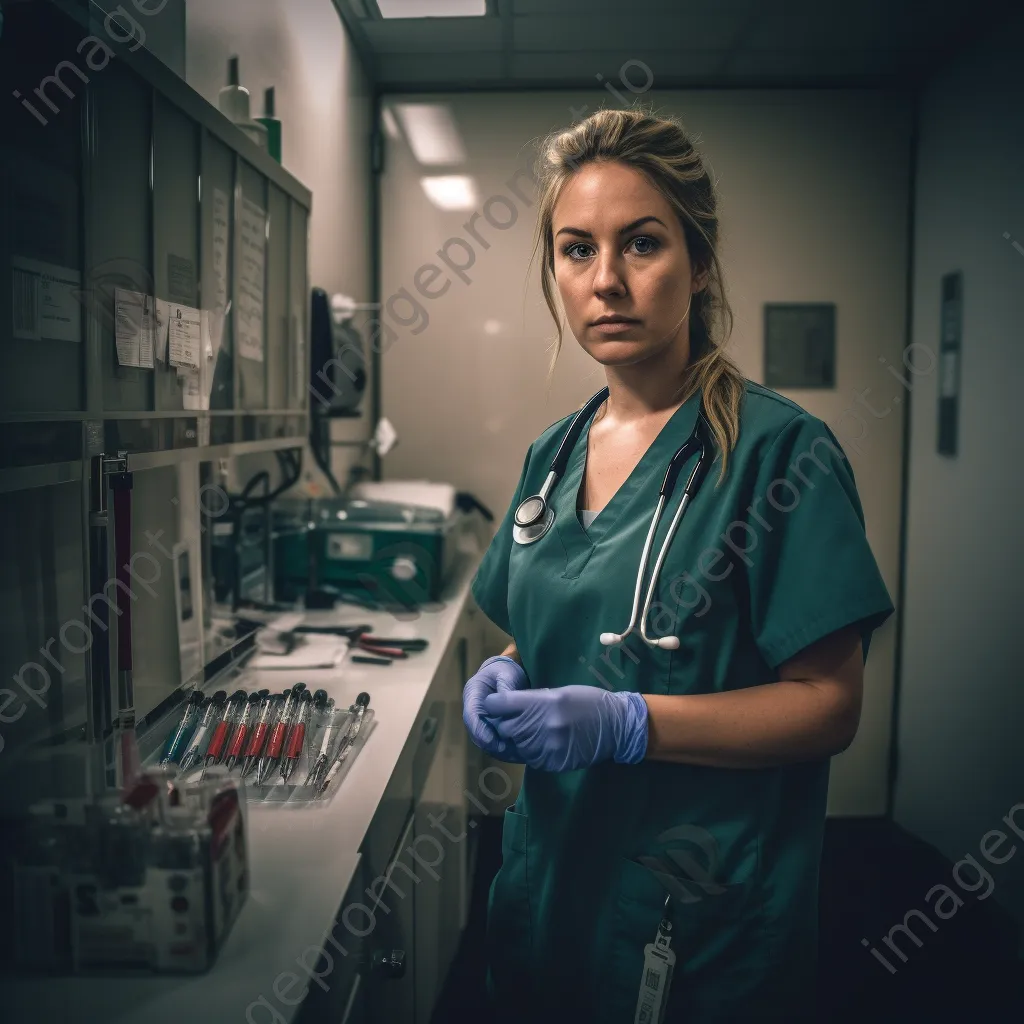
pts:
[233, 102]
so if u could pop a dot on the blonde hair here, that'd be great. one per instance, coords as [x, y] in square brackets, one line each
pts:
[660, 148]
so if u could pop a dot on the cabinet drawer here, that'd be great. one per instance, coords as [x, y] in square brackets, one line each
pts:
[331, 998]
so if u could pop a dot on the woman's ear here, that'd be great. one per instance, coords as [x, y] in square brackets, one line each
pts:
[700, 281]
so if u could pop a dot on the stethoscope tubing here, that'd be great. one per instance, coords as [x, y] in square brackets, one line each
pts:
[534, 512]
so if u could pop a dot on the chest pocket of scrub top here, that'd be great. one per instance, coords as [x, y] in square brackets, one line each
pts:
[717, 939]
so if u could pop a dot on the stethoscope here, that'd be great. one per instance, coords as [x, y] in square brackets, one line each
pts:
[534, 515]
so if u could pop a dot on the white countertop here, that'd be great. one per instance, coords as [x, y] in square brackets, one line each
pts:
[301, 860]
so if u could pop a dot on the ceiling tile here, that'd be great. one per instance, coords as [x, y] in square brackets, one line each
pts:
[800, 24]
[637, 32]
[820, 64]
[449, 36]
[697, 10]
[429, 68]
[583, 68]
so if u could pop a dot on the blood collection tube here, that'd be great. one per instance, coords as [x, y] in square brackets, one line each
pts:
[212, 709]
[269, 709]
[179, 738]
[219, 739]
[275, 742]
[347, 742]
[297, 735]
[245, 720]
[319, 766]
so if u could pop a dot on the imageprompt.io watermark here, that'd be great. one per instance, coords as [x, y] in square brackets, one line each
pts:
[458, 253]
[943, 899]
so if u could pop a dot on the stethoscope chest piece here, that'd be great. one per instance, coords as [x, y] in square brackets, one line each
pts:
[538, 516]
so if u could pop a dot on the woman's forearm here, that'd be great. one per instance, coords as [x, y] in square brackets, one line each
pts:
[756, 727]
[512, 652]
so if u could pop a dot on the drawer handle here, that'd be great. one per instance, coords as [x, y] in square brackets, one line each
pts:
[430, 730]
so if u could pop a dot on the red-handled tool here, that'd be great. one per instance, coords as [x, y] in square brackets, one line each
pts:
[384, 652]
[237, 741]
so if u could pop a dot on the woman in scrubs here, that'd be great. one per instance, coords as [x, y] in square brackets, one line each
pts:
[673, 795]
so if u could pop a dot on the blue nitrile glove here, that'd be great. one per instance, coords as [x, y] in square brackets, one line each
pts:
[495, 675]
[569, 727]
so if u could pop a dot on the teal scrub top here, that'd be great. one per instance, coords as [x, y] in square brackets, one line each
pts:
[763, 564]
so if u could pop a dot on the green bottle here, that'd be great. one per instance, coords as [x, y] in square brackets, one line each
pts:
[272, 124]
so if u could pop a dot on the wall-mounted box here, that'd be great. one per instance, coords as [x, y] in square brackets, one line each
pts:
[800, 345]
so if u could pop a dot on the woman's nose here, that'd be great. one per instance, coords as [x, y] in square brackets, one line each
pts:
[608, 277]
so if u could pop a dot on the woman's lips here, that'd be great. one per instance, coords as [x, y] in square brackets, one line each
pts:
[615, 326]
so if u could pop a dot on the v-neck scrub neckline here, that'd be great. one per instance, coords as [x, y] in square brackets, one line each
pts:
[578, 540]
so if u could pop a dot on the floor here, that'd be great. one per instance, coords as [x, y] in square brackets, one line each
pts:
[872, 874]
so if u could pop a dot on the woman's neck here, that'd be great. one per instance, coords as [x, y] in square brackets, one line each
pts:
[645, 389]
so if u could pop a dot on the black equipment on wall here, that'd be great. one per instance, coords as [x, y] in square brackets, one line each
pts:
[337, 378]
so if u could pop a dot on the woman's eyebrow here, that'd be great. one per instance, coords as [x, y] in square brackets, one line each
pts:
[628, 227]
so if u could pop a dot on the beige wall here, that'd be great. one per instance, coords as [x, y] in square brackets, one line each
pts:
[814, 189]
[961, 708]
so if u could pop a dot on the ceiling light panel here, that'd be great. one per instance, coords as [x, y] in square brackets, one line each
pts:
[451, 191]
[432, 133]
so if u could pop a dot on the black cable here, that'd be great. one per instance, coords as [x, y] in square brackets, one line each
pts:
[290, 479]
[318, 455]
[261, 477]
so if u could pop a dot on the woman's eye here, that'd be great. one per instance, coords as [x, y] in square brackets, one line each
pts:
[644, 245]
[572, 251]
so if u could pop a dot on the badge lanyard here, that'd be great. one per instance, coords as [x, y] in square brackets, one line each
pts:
[659, 960]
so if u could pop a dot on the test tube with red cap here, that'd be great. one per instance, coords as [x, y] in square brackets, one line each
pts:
[297, 735]
[270, 707]
[178, 741]
[249, 714]
[219, 739]
[211, 713]
[275, 743]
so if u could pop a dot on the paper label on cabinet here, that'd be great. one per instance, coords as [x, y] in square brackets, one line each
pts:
[45, 306]
[252, 242]
[133, 328]
[221, 220]
[184, 336]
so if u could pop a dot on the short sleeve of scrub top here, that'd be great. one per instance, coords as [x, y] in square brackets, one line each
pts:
[490, 585]
[813, 571]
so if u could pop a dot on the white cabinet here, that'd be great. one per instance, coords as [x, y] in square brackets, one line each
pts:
[417, 846]
[442, 834]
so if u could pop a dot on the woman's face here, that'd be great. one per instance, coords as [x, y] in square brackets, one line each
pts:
[620, 253]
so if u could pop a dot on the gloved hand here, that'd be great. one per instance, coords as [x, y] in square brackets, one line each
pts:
[569, 727]
[495, 675]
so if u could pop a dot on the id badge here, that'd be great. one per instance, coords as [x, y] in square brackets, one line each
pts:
[659, 960]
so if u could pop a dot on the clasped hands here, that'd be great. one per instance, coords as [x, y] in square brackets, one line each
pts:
[555, 730]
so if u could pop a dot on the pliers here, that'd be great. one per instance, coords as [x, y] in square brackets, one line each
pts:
[360, 636]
